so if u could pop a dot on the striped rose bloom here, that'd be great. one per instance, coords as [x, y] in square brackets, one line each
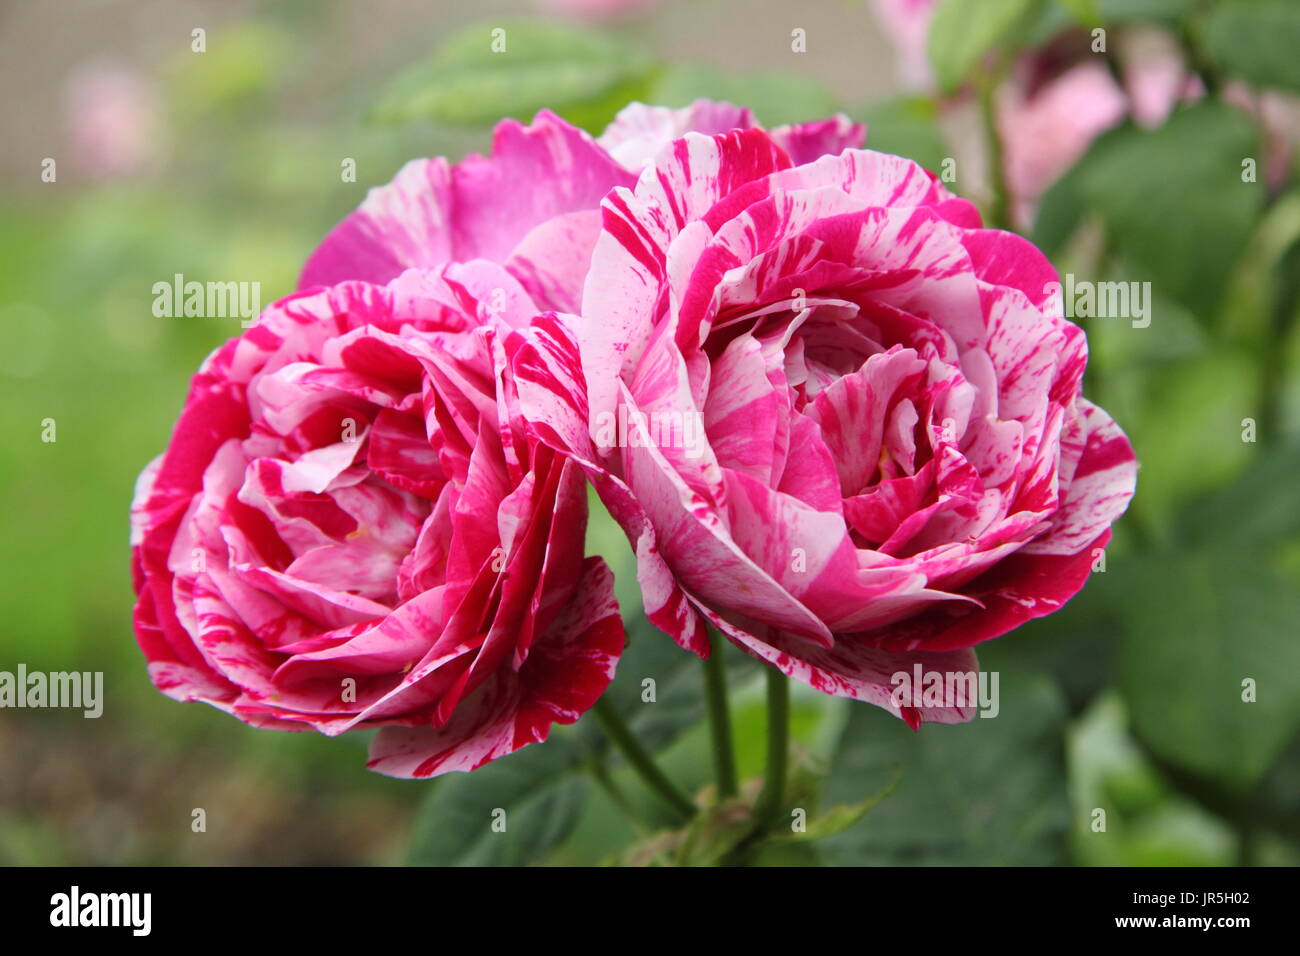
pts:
[858, 442]
[353, 528]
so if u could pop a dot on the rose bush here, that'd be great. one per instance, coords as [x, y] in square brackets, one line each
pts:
[352, 528]
[897, 463]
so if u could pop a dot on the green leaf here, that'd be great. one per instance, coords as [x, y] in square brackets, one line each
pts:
[1275, 802]
[1260, 507]
[1258, 41]
[1148, 823]
[984, 793]
[1060, 16]
[726, 832]
[1173, 200]
[658, 849]
[1085, 12]
[715, 832]
[962, 31]
[1126, 11]
[539, 789]
[905, 127]
[1198, 625]
[775, 97]
[840, 817]
[582, 74]
[1185, 425]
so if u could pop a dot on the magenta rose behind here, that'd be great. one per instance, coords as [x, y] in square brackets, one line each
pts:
[838, 419]
[352, 528]
[532, 205]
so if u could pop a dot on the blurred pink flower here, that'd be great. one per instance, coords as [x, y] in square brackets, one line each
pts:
[1045, 131]
[907, 24]
[114, 120]
[1156, 77]
[1278, 115]
[1056, 101]
[1048, 124]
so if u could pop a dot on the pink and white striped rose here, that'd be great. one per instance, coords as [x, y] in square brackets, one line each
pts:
[353, 528]
[898, 464]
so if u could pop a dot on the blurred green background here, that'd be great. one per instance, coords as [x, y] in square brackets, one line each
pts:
[225, 165]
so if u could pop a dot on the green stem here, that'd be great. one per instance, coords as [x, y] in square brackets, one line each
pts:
[999, 212]
[622, 737]
[600, 773]
[778, 748]
[715, 692]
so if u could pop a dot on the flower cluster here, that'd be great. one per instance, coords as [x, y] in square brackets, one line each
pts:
[868, 449]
